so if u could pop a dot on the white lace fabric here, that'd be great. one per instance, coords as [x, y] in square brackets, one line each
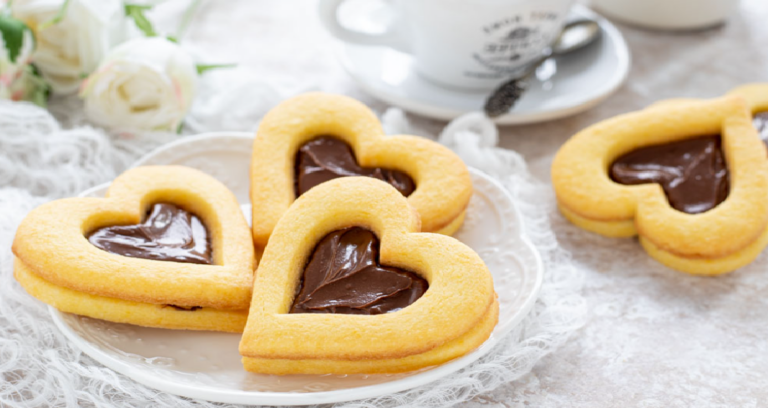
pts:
[41, 161]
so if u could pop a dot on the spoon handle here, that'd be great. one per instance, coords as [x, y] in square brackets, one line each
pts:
[576, 35]
[508, 93]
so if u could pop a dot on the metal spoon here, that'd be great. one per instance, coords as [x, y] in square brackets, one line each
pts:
[575, 36]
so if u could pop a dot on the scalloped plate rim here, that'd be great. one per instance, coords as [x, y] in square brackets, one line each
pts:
[141, 376]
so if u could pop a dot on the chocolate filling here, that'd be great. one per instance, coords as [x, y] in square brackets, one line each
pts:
[167, 234]
[184, 309]
[344, 276]
[692, 172]
[327, 158]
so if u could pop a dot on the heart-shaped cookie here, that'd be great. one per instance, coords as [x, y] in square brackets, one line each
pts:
[591, 174]
[167, 247]
[337, 220]
[316, 137]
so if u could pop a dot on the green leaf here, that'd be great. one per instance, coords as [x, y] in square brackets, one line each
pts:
[136, 12]
[57, 18]
[172, 39]
[38, 91]
[39, 96]
[203, 68]
[13, 35]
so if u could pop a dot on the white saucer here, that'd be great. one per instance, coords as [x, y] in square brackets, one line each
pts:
[567, 85]
[207, 365]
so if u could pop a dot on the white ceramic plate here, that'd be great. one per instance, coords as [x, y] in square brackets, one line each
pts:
[565, 85]
[207, 365]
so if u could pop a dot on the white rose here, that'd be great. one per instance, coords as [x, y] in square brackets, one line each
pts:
[73, 47]
[143, 84]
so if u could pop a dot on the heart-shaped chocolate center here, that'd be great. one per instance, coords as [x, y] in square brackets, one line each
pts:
[693, 172]
[343, 275]
[168, 233]
[327, 158]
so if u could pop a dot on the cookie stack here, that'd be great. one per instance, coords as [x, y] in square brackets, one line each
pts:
[339, 211]
[689, 177]
[142, 255]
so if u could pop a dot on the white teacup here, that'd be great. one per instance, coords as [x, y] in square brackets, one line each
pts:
[463, 43]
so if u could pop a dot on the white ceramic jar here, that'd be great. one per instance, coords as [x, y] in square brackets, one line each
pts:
[668, 14]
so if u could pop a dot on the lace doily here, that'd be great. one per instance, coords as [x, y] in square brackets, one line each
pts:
[41, 161]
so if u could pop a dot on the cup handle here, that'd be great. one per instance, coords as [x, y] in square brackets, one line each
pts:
[391, 37]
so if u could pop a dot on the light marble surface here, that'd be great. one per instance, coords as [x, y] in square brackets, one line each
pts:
[654, 337]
